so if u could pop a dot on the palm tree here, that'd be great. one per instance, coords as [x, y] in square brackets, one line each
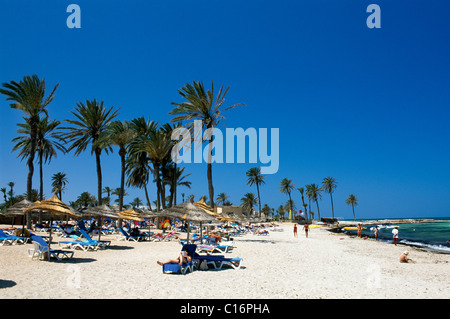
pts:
[3, 190]
[202, 105]
[313, 191]
[280, 211]
[266, 210]
[120, 134]
[107, 190]
[352, 200]
[137, 163]
[156, 145]
[118, 192]
[286, 187]
[174, 178]
[248, 201]
[221, 199]
[59, 181]
[11, 190]
[136, 202]
[256, 178]
[302, 191]
[85, 199]
[93, 120]
[48, 140]
[329, 185]
[28, 95]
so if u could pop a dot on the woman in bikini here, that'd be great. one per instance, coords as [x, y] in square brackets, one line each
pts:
[182, 258]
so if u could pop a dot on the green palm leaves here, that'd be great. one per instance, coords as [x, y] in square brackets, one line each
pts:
[256, 178]
[329, 185]
[92, 120]
[352, 200]
[204, 105]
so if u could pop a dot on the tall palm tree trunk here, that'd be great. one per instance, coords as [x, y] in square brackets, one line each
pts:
[353, 208]
[99, 176]
[146, 196]
[122, 153]
[33, 137]
[318, 211]
[259, 199]
[332, 208]
[41, 187]
[158, 187]
[209, 172]
[99, 188]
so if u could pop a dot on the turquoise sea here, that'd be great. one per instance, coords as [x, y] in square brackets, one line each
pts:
[431, 236]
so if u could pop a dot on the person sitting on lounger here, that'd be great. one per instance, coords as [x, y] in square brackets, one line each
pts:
[182, 258]
[217, 238]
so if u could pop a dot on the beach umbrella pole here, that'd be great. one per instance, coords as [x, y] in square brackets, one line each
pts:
[50, 238]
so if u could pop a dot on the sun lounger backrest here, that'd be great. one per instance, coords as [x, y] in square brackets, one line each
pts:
[190, 248]
[39, 240]
[85, 234]
[124, 232]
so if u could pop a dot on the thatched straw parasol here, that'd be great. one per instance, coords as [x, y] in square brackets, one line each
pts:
[131, 214]
[17, 208]
[55, 206]
[190, 212]
[96, 211]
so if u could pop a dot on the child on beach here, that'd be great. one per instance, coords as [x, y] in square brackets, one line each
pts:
[404, 258]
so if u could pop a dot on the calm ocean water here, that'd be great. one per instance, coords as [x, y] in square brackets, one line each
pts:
[430, 236]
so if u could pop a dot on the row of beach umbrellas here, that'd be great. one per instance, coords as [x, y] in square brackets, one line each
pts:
[191, 212]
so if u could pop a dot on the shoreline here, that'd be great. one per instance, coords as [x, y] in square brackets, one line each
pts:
[276, 266]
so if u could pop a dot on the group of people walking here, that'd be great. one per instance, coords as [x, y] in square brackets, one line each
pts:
[305, 228]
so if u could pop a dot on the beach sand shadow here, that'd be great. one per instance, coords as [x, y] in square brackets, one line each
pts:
[76, 260]
[7, 283]
[119, 247]
[258, 241]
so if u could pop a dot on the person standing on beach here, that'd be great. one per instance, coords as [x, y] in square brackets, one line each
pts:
[295, 230]
[359, 229]
[395, 235]
[306, 228]
[375, 232]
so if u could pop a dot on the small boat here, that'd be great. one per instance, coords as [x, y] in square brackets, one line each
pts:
[353, 228]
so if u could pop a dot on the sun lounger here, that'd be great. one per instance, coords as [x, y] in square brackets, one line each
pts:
[41, 248]
[182, 269]
[12, 239]
[88, 239]
[210, 249]
[125, 236]
[5, 239]
[218, 261]
[41, 228]
[78, 242]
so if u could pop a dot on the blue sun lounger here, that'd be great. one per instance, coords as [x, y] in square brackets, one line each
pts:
[218, 261]
[41, 247]
[78, 242]
[182, 269]
[126, 236]
[12, 239]
[88, 239]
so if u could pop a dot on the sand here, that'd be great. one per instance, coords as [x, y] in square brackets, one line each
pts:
[277, 266]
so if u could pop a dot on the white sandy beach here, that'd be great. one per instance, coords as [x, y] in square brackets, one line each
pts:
[276, 266]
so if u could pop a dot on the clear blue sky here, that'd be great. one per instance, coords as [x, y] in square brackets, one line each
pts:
[369, 107]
